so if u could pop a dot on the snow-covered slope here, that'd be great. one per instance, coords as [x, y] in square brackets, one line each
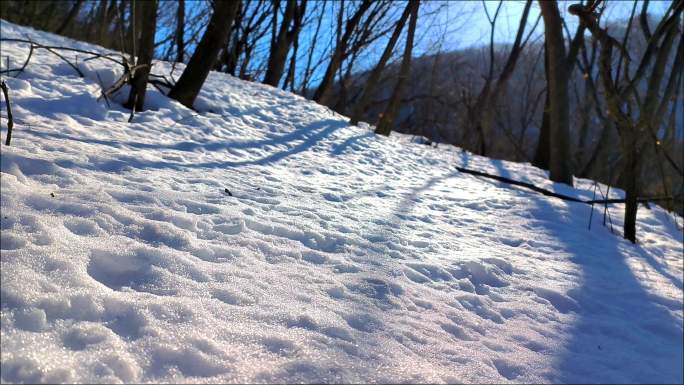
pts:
[338, 256]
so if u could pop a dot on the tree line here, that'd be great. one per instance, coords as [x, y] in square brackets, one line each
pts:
[359, 58]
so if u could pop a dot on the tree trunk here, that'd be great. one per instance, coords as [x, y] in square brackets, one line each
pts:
[180, 31]
[338, 54]
[294, 38]
[630, 174]
[384, 126]
[312, 48]
[105, 22]
[235, 47]
[541, 155]
[70, 16]
[374, 77]
[649, 117]
[559, 160]
[94, 30]
[280, 47]
[203, 59]
[146, 10]
[110, 22]
[120, 27]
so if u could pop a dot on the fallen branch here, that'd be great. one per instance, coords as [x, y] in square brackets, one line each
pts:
[129, 73]
[28, 58]
[555, 194]
[519, 183]
[53, 49]
[102, 90]
[10, 121]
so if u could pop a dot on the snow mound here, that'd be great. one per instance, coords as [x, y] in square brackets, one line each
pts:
[338, 256]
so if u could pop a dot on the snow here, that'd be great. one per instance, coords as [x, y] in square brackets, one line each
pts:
[339, 256]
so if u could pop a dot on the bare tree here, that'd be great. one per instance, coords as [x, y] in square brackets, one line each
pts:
[384, 126]
[250, 28]
[481, 109]
[374, 76]
[634, 131]
[542, 155]
[298, 25]
[286, 37]
[180, 31]
[557, 83]
[75, 8]
[146, 10]
[202, 61]
[310, 66]
[340, 50]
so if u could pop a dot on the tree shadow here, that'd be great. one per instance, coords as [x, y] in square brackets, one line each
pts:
[310, 134]
[623, 332]
[647, 257]
[338, 149]
[296, 142]
[501, 168]
[408, 203]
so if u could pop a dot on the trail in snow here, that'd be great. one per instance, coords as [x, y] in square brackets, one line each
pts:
[339, 257]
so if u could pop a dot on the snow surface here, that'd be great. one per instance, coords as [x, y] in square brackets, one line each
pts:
[339, 257]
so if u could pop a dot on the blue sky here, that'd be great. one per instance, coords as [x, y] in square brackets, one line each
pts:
[452, 25]
[475, 30]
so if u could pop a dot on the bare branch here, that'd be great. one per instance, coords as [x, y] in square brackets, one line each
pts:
[10, 121]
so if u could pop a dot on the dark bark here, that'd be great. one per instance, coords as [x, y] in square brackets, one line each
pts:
[146, 10]
[339, 52]
[70, 16]
[203, 59]
[631, 132]
[280, 46]
[630, 175]
[384, 126]
[643, 20]
[111, 22]
[374, 77]
[180, 31]
[294, 38]
[94, 27]
[120, 26]
[10, 120]
[105, 23]
[560, 159]
[481, 113]
[232, 52]
[542, 153]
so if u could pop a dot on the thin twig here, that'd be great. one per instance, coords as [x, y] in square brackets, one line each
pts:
[102, 89]
[135, 101]
[591, 214]
[546, 192]
[10, 121]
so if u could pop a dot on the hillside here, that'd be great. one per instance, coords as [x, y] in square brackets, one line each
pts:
[263, 239]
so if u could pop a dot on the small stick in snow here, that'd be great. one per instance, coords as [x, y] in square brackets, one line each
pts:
[135, 100]
[28, 58]
[10, 121]
[592, 204]
[102, 89]
[228, 192]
